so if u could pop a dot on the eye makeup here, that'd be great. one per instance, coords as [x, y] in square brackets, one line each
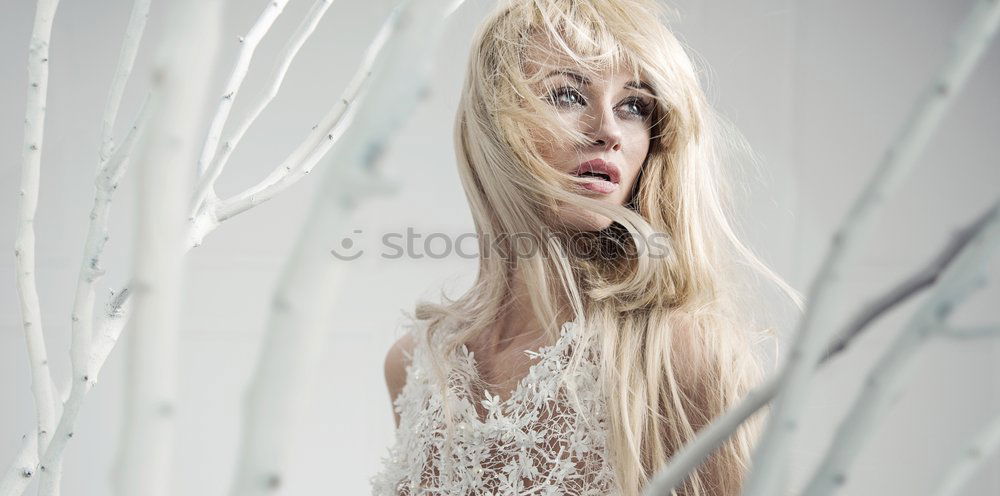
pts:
[569, 96]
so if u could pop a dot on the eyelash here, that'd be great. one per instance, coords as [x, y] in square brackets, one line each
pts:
[643, 107]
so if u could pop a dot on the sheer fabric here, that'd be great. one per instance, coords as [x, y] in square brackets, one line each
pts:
[533, 443]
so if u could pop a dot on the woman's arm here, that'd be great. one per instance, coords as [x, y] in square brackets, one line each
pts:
[396, 361]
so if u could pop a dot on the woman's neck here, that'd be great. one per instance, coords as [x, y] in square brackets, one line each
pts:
[517, 323]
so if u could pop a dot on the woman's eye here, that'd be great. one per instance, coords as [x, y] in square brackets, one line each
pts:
[638, 107]
[566, 96]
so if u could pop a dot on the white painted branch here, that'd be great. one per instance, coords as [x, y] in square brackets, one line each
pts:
[98, 349]
[19, 475]
[323, 136]
[90, 272]
[145, 452]
[981, 447]
[694, 453]
[97, 232]
[106, 335]
[248, 46]
[22, 469]
[206, 183]
[884, 380]
[294, 342]
[903, 291]
[972, 332]
[117, 316]
[114, 320]
[769, 474]
[81, 349]
[455, 4]
[107, 332]
[290, 174]
[116, 165]
[126, 59]
[46, 395]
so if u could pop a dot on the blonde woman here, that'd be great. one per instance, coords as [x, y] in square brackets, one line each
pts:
[606, 325]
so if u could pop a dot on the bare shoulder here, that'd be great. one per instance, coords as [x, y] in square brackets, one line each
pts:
[398, 357]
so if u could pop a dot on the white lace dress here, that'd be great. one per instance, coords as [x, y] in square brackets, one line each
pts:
[532, 443]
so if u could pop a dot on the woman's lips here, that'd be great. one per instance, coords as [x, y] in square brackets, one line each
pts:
[601, 167]
[600, 185]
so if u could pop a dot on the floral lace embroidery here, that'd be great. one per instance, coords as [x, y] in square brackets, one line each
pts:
[532, 443]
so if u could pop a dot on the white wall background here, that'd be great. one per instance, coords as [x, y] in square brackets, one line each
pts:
[818, 88]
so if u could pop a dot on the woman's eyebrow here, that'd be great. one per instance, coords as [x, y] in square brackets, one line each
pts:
[570, 74]
[581, 79]
[639, 85]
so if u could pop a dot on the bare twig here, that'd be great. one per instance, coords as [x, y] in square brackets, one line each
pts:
[248, 45]
[20, 472]
[979, 450]
[323, 137]
[146, 442]
[910, 287]
[90, 272]
[117, 314]
[111, 160]
[694, 453]
[769, 474]
[81, 348]
[46, 394]
[972, 332]
[300, 319]
[964, 275]
[302, 33]
[126, 59]
[106, 334]
[319, 141]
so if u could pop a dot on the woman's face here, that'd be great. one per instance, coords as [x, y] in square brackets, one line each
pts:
[614, 112]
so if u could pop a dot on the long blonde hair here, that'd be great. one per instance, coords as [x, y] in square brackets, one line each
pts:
[676, 337]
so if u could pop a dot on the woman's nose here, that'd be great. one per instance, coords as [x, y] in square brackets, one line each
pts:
[604, 129]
